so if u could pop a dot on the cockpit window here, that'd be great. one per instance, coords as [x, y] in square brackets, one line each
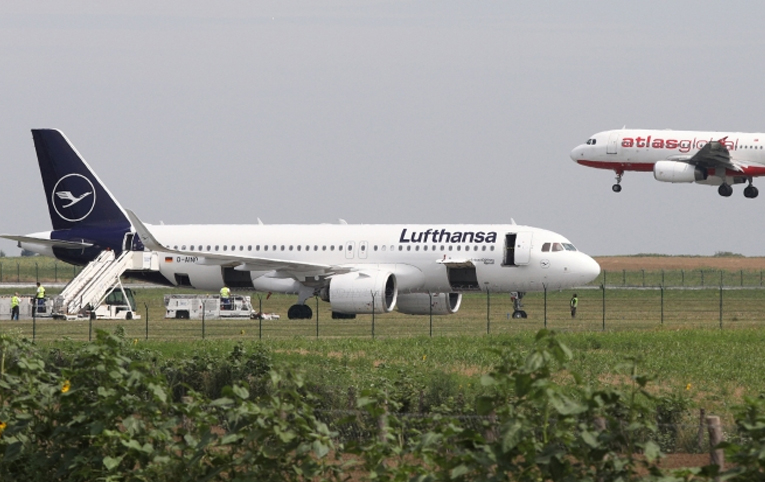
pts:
[557, 247]
[591, 142]
[546, 247]
[569, 247]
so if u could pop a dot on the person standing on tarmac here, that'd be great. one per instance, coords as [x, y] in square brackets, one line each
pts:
[40, 298]
[573, 304]
[225, 298]
[15, 306]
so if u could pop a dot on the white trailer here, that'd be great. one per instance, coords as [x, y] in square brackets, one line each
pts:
[25, 307]
[194, 307]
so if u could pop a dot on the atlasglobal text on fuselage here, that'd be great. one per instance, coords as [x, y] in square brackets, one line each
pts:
[356, 268]
[720, 159]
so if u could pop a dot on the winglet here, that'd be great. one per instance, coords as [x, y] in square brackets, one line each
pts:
[147, 238]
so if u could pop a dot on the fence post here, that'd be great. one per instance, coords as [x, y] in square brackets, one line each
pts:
[682, 277]
[55, 271]
[37, 272]
[488, 311]
[544, 285]
[204, 305]
[701, 429]
[603, 289]
[662, 303]
[716, 456]
[373, 315]
[18, 273]
[742, 278]
[146, 305]
[317, 317]
[702, 277]
[721, 305]
[624, 277]
[643, 277]
[430, 296]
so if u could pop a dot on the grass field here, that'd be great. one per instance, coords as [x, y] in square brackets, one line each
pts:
[676, 333]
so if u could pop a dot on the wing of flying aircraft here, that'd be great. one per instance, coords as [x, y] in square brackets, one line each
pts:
[712, 155]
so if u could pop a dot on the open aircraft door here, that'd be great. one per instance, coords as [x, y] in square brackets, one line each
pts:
[523, 248]
[517, 249]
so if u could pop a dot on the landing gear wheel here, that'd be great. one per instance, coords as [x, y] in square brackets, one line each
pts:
[300, 312]
[725, 190]
[618, 186]
[519, 314]
[751, 192]
[129, 315]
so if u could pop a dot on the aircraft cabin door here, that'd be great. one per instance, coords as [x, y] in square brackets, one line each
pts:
[523, 248]
[613, 140]
[363, 249]
[349, 249]
[517, 249]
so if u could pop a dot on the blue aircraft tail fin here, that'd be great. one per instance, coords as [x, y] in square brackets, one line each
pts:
[76, 196]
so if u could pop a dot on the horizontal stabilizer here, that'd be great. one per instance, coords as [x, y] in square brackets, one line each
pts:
[53, 243]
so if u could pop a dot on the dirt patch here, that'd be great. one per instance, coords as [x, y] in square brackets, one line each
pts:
[677, 461]
[658, 263]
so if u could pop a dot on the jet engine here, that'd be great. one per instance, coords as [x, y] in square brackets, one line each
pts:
[362, 292]
[674, 171]
[419, 303]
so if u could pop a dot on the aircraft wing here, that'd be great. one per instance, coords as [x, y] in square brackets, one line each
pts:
[297, 269]
[53, 243]
[713, 154]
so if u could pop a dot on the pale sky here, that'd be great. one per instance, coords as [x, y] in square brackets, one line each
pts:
[384, 112]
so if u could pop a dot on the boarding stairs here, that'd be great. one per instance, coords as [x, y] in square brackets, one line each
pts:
[99, 278]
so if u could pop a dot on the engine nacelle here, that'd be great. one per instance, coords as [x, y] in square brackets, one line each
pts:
[419, 303]
[674, 171]
[362, 292]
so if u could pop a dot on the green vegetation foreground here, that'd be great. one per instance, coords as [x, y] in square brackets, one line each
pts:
[112, 410]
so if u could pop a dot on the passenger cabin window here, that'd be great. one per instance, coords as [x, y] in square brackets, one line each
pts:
[546, 247]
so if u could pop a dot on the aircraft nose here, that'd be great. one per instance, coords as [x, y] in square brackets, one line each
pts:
[577, 153]
[590, 269]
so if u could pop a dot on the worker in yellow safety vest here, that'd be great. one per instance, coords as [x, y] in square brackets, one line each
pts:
[40, 298]
[225, 298]
[15, 306]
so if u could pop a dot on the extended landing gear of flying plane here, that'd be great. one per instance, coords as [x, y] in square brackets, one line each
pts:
[750, 191]
[725, 190]
[518, 305]
[300, 312]
[618, 186]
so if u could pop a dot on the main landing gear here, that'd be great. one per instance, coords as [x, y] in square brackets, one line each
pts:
[300, 312]
[618, 186]
[518, 305]
[750, 191]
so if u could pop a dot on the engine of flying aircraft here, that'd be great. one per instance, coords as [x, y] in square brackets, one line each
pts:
[674, 171]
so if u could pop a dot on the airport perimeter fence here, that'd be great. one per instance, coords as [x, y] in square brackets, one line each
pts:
[600, 308]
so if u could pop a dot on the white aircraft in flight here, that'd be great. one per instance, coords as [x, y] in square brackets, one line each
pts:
[358, 269]
[713, 158]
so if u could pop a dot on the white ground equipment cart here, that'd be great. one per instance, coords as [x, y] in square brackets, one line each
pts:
[25, 307]
[194, 307]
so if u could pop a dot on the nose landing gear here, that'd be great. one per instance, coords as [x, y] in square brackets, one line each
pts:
[618, 187]
[517, 305]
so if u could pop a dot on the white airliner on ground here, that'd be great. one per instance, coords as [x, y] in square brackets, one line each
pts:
[356, 268]
[714, 158]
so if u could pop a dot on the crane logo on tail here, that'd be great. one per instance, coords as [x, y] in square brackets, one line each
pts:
[73, 197]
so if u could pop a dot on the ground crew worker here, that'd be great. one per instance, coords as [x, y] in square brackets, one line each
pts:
[15, 306]
[225, 298]
[573, 304]
[40, 298]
